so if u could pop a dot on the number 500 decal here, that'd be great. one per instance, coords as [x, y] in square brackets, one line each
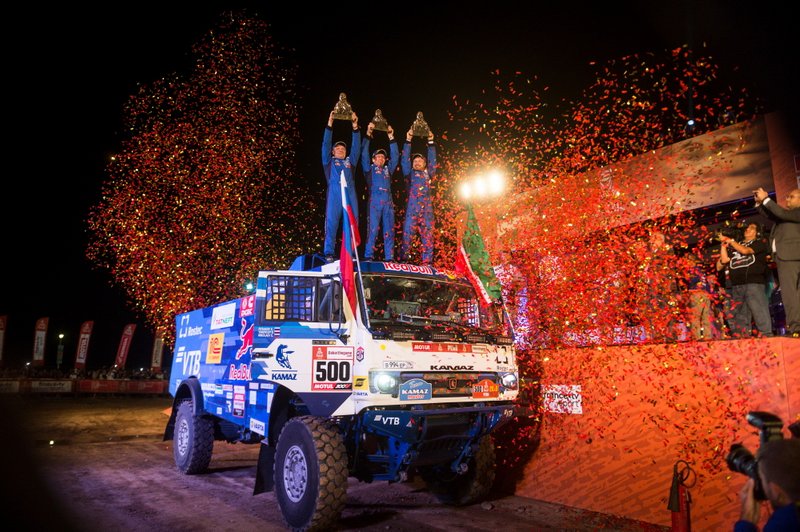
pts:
[332, 375]
[332, 371]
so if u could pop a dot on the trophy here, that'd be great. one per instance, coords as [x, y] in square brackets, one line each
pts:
[379, 121]
[420, 127]
[342, 109]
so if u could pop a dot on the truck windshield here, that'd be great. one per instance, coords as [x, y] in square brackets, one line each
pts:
[426, 302]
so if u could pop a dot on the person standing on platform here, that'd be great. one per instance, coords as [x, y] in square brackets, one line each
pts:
[419, 171]
[379, 180]
[785, 247]
[747, 266]
[335, 160]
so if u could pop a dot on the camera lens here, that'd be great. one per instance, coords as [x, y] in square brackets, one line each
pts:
[742, 461]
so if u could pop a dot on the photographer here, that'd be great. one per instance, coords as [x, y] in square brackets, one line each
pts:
[779, 471]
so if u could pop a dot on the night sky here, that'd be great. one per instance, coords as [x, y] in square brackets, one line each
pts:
[72, 69]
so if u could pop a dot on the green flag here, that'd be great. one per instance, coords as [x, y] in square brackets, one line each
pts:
[473, 261]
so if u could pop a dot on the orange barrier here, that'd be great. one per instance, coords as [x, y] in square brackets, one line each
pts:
[620, 417]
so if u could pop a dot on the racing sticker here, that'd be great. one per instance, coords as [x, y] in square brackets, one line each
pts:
[332, 368]
[248, 306]
[214, 353]
[438, 347]
[485, 389]
[415, 390]
[238, 401]
[222, 316]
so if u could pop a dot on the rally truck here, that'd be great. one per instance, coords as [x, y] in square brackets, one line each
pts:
[411, 379]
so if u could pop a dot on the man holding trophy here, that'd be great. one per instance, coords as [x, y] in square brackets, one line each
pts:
[335, 159]
[379, 180]
[419, 210]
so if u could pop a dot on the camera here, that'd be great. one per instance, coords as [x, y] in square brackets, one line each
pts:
[741, 460]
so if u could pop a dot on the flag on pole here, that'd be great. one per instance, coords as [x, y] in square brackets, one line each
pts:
[83, 344]
[39, 336]
[350, 241]
[472, 260]
[124, 345]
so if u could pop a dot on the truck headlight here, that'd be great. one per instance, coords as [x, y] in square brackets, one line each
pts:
[384, 382]
[509, 381]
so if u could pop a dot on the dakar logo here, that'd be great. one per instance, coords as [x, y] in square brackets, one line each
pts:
[282, 358]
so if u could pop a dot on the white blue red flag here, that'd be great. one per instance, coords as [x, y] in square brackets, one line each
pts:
[350, 241]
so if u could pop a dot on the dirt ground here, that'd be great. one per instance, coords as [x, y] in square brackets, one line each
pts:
[99, 464]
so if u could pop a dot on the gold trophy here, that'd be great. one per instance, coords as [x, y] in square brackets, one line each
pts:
[342, 109]
[379, 122]
[420, 127]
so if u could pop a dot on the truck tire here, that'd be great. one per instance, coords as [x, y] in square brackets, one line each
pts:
[469, 488]
[193, 441]
[310, 473]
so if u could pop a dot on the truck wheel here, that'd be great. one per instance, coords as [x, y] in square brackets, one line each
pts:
[310, 473]
[469, 488]
[193, 441]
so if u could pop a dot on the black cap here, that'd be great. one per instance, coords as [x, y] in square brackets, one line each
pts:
[415, 155]
[380, 151]
[339, 143]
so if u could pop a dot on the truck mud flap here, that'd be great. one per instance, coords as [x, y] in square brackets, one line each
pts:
[265, 481]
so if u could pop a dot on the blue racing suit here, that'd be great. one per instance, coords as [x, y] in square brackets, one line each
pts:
[381, 207]
[333, 168]
[419, 211]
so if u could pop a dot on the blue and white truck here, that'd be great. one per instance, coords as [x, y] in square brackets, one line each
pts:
[411, 381]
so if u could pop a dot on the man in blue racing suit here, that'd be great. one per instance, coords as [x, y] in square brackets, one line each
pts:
[334, 160]
[379, 180]
[419, 210]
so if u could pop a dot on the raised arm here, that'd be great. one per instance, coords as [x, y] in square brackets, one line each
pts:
[366, 161]
[356, 149]
[431, 156]
[405, 159]
[394, 152]
[327, 141]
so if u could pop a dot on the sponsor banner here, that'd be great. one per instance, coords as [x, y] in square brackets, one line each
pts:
[3, 320]
[49, 386]
[83, 344]
[563, 398]
[158, 352]
[9, 386]
[438, 347]
[124, 345]
[39, 337]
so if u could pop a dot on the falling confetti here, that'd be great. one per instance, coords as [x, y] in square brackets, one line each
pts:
[203, 192]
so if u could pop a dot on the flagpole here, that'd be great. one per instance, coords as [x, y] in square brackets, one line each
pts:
[360, 283]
